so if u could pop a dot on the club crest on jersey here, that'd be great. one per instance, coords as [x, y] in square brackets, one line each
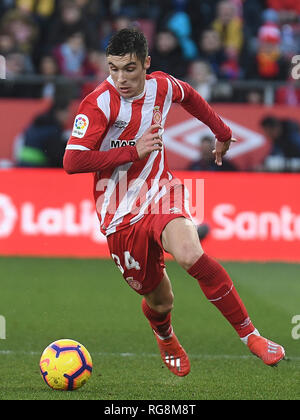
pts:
[121, 143]
[157, 116]
[134, 284]
[80, 126]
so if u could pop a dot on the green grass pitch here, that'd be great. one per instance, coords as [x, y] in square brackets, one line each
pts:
[43, 300]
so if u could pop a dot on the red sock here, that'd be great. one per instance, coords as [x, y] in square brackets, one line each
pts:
[219, 289]
[160, 323]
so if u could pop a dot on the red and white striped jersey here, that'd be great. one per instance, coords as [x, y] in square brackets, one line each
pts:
[125, 187]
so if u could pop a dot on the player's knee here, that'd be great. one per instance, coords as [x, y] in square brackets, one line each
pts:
[164, 308]
[188, 255]
[166, 304]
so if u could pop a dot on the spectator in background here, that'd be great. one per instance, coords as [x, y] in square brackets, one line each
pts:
[230, 27]
[202, 78]
[206, 161]
[71, 20]
[5, 5]
[15, 64]
[41, 11]
[48, 68]
[96, 66]
[40, 8]
[288, 10]
[179, 23]
[119, 22]
[145, 9]
[44, 141]
[23, 28]
[289, 32]
[210, 50]
[71, 55]
[254, 97]
[167, 55]
[267, 62]
[93, 10]
[252, 17]
[18, 37]
[284, 135]
[7, 43]
[202, 13]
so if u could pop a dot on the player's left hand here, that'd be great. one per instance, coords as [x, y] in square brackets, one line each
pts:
[221, 149]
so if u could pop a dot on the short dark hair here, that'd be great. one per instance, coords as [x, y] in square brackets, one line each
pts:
[128, 41]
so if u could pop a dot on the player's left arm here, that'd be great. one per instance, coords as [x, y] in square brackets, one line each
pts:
[193, 103]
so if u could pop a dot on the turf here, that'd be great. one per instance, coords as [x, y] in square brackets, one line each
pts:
[44, 300]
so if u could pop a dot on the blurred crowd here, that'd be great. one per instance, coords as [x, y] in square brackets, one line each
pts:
[201, 41]
[208, 43]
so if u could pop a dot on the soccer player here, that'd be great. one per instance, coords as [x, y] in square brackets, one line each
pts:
[142, 208]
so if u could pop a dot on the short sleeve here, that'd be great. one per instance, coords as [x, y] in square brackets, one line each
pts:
[89, 125]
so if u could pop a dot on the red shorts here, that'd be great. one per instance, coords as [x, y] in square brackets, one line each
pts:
[138, 251]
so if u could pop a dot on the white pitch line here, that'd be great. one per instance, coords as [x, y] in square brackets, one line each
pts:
[191, 356]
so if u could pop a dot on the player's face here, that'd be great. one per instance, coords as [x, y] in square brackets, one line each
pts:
[128, 74]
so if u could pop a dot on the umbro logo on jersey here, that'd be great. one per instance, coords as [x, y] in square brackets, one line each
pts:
[121, 143]
[120, 124]
[175, 210]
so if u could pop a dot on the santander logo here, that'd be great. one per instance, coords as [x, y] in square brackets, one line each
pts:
[250, 225]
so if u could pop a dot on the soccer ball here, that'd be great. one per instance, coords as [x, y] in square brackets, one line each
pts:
[65, 365]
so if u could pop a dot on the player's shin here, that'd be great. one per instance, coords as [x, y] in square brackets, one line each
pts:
[219, 290]
[160, 323]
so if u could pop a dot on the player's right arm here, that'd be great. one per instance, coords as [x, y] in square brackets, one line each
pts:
[82, 153]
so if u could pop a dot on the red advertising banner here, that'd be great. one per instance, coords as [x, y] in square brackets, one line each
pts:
[18, 113]
[48, 213]
[252, 217]
[182, 132]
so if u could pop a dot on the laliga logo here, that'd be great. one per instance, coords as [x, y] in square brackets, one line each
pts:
[68, 220]
[8, 216]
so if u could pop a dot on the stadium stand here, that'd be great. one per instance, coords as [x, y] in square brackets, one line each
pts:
[231, 51]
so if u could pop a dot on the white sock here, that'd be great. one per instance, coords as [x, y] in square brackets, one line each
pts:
[245, 339]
